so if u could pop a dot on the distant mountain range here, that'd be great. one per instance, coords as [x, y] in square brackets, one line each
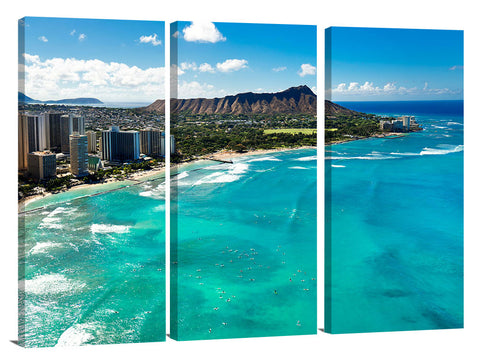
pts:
[77, 101]
[294, 100]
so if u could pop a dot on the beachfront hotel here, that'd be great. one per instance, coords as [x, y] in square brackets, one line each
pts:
[31, 137]
[42, 164]
[78, 154]
[152, 142]
[92, 141]
[53, 131]
[403, 123]
[120, 146]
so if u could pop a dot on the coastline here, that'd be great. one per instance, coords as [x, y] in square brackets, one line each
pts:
[225, 155]
[380, 136]
[145, 175]
[138, 177]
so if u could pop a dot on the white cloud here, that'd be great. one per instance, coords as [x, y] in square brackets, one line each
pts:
[280, 68]
[307, 69]
[232, 65]
[456, 67]
[58, 78]
[73, 32]
[176, 34]
[389, 87]
[206, 68]
[188, 66]
[150, 39]
[82, 37]
[194, 89]
[368, 88]
[202, 32]
[43, 38]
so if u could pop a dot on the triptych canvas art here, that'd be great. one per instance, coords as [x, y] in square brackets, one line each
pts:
[241, 145]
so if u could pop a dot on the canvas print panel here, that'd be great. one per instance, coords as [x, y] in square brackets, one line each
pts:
[91, 182]
[243, 241]
[394, 180]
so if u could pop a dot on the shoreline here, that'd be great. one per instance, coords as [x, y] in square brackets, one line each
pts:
[140, 176]
[225, 155]
[379, 136]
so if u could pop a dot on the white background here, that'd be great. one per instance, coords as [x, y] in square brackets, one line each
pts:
[439, 344]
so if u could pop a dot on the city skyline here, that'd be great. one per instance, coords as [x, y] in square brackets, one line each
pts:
[111, 60]
[375, 64]
[219, 59]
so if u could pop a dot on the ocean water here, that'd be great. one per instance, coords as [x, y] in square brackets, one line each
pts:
[394, 224]
[244, 247]
[92, 265]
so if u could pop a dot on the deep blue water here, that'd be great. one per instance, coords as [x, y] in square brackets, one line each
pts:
[394, 224]
[441, 107]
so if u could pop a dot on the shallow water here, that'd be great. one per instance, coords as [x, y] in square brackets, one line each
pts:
[245, 247]
[92, 267]
[394, 227]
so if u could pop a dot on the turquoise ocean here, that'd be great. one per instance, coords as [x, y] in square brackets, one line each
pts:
[92, 266]
[244, 247]
[394, 224]
[94, 258]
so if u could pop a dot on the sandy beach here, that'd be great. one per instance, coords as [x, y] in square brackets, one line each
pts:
[139, 176]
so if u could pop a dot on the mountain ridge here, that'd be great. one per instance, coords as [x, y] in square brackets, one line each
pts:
[333, 109]
[300, 99]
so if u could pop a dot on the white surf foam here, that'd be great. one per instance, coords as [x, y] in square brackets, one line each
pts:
[52, 284]
[338, 166]
[106, 229]
[442, 150]
[368, 157]
[76, 335]
[265, 158]
[43, 247]
[159, 208]
[156, 193]
[51, 221]
[298, 167]
[308, 158]
[234, 173]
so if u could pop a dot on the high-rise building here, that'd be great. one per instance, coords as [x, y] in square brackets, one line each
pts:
[92, 141]
[77, 124]
[31, 137]
[42, 164]
[120, 145]
[78, 154]
[151, 142]
[406, 121]
[65, 131]
[53, 128]
[172, 144]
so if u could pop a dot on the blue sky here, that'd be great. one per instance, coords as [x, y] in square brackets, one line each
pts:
[218, 59]
[112, 60]
[374, 64]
